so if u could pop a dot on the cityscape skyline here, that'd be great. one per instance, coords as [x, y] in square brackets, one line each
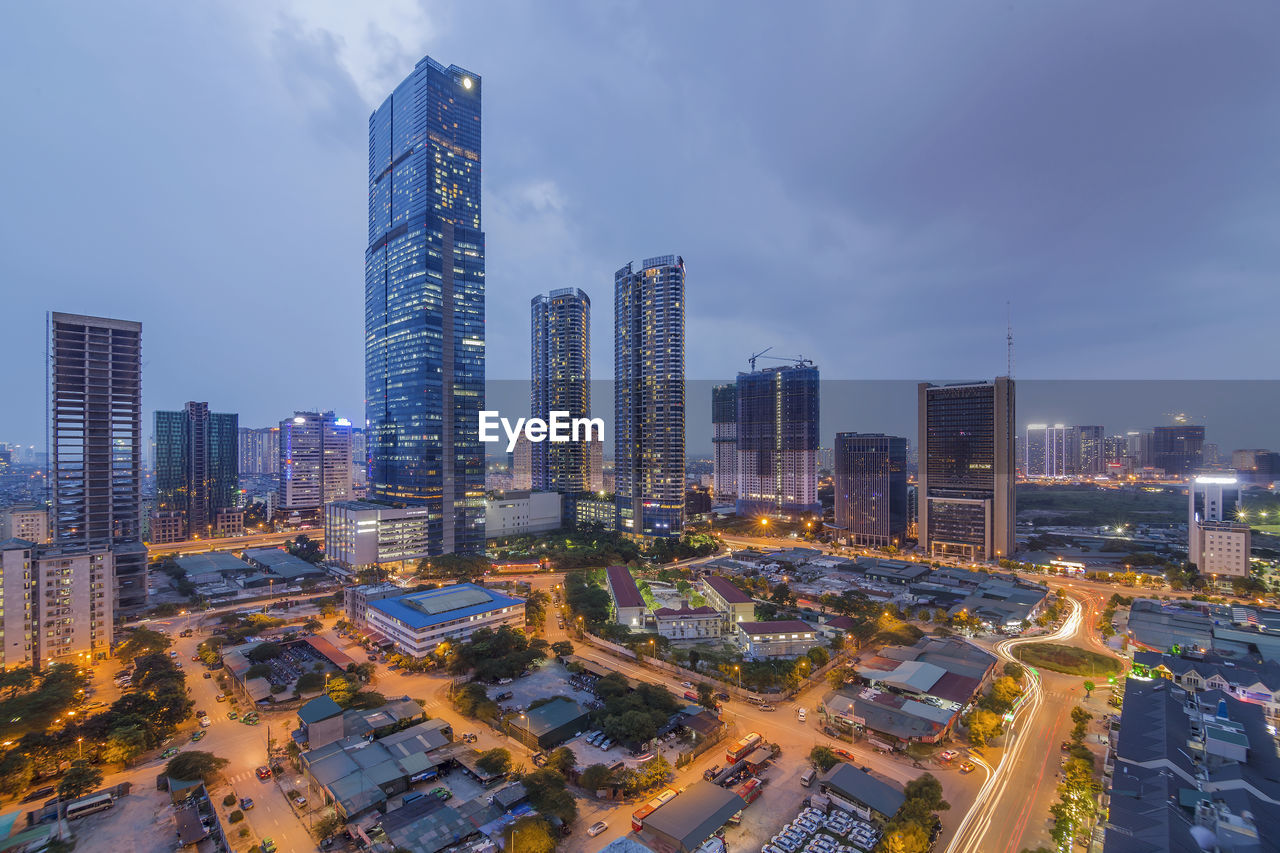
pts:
[548, 208]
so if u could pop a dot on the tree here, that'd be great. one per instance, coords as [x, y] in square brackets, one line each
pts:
[823, 758]
[983, 726]
[1015, 671]
[706, 697]
[496, 761]
[310, 682]
[264, 652]
[782, 595]
[258, 670]
[531, 835]
[547, 794]
[562, 760]
[655, 773]
[694, 658]
[124, 744]
[16, 772]
[562, 648]
[904, 838]
[195, 765]
[1004, 692]
[327, 825]
[141, 641]
[819, 656]
[1088, 688]
[81, 778]
[837, 676]
[595, 777]
[927, 790]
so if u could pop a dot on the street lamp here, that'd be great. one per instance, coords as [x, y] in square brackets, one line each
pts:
[738, 670]
[80, 744]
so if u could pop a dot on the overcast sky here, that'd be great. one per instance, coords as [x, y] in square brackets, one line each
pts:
[863, 184]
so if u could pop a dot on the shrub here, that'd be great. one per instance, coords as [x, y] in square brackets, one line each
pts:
[236, 816]
[229, 800]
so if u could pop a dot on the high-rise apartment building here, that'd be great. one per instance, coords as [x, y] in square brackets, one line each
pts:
[871, 488]
[259, 450]
[315, 462]
[522, 464]
[778, 441]
[560, 358]
[1177, 450]
[1047, 450]
[966, 469]
[95, 412]
[649, 396]
[197, 465]
[595, 465]
[1088, 444]
[56, 604]
[424, 303]
[724, 440]
[25, 521]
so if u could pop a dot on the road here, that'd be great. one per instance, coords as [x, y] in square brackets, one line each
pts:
[232, 543]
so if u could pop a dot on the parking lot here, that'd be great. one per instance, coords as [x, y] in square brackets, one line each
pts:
[548, 679]
[814, 831]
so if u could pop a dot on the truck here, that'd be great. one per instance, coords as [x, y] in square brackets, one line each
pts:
[637, 818]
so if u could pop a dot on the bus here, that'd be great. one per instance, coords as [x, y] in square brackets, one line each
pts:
[637, 819]
[90, 805]
[740, 750]
[750, 790]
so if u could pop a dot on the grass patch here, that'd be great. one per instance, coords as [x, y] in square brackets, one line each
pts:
[1067, 659]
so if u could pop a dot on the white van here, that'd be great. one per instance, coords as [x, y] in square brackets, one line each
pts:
[807, 777]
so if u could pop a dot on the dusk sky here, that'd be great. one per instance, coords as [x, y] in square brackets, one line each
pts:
[863, 184]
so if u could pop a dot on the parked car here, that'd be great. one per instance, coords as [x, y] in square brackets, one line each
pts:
[206, 675]
[221, 697]
[170, 752]
[197, 736]
[205, 722]
[469, 737]
[502, 697]
[597, 828]
[443, 793]
[300, 802]
[504, 680]
[39, 794]
[722, 696]
[687, 685]
[246, 803]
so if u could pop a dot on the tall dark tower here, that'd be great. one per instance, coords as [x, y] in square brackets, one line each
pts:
[424, 303]
[560, 361]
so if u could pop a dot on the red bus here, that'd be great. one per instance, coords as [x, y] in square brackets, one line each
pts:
[749, 790]
[637, 819]
[739, 750]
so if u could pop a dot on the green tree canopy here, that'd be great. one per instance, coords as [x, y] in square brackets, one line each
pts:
[81, 778]
[195, 765]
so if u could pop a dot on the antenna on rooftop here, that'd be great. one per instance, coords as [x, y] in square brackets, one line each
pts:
[1009, 338]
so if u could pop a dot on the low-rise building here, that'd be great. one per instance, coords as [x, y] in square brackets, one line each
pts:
[785, 638]
[698, 624]
[683, 824]
[166, 527]
[282, 566]
[1190, 772]
[628, 604]
[733, 604]
[228, 521]
[521, 513]
[416, 623]
[548, 725]
[1248, 680]
[857, 791]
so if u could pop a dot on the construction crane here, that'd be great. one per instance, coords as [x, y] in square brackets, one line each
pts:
[799, 360]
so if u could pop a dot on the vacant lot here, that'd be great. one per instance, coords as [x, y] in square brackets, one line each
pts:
[1068, 659]
[1087, 506]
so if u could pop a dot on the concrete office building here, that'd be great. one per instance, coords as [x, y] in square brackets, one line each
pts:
[560, 360]
[778, 441]
[416, 623]
[649, 397]
[259, 450]
[522, 513]
[871, 488]
[967, 469]
[724, 440]
[1218, 547]
[424, 302]
[95, 421]
[25, 521]
[358, 534]
[197, 466]
[315, 462]
[56, 605]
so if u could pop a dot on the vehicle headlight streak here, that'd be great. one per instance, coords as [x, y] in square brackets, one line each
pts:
[970, 837]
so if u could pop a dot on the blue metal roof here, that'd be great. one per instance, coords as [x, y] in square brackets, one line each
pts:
[411, 609]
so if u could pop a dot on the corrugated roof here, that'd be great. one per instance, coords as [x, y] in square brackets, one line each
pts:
[694, 815]
[623, 586]
[726, 589]
[859, 785]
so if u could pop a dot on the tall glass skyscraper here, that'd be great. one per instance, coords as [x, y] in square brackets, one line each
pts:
[560, 360]
[871, 488]
[648, 388]
[424, 303]
[778, 441]
[197, 465]
[724, 439]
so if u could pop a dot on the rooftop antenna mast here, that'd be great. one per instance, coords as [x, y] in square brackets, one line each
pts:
[1009, 338]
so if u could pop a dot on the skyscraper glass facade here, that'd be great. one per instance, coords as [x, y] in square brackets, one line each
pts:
[424, 303]
[724, 439]
[197, 465]
[649, 396]
[560, 360]
[778, 441]
[871, 488]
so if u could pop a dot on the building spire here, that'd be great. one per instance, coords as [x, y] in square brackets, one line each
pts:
[1009, 339]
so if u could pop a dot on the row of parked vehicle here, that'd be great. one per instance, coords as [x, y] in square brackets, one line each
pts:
[812, 831]
[597, 738]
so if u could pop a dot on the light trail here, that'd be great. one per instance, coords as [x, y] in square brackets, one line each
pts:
[970, 836]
